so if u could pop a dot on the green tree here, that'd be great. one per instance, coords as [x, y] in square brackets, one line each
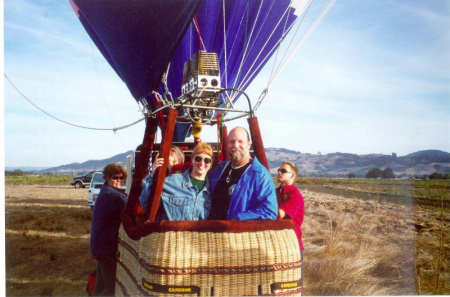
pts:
[16, 172]
[435, 175]
[374, 173]
[388, 173]
[351, 175]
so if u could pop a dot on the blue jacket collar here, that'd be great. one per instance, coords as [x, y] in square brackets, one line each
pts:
[256, 165]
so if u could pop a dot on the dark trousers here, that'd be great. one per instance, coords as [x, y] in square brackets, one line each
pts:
[106, 277]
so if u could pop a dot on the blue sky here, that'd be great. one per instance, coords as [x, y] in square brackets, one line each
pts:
[374, 77]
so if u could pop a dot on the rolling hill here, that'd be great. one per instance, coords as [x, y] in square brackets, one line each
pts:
[340, 164]
[332, 165]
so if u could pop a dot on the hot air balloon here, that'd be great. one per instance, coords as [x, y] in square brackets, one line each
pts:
[188, 62]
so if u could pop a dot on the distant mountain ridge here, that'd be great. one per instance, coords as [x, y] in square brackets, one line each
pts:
[332, 165]
[90, 165]
[340, 164]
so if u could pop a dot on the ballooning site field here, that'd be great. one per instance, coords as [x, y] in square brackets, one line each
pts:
[353, 245]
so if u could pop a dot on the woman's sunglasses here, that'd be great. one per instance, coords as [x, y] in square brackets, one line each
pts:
[117, 177]
[283, 171]
[198, 159]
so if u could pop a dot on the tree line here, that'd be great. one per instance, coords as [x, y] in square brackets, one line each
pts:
[389, 173]
[20, 172]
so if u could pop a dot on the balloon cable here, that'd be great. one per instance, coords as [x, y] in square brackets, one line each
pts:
[325, 8]
[202, 45]
[249, 75]
[68, 123]
[225, 43]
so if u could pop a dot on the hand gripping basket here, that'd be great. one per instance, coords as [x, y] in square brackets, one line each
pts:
[210, 258]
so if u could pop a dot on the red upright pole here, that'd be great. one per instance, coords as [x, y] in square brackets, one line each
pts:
[258, 145]
[224, 143]
[155, 195]
[142, 156]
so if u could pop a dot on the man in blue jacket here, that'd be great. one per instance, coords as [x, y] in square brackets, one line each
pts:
[242, 189]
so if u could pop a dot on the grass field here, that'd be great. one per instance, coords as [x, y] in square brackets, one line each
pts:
[361, 238]
[38, 180]
[424, 193]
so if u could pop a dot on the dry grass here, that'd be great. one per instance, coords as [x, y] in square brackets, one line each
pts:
[353, 246]
[47, 240]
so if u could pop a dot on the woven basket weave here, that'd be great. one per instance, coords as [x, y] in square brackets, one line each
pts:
[198, 263]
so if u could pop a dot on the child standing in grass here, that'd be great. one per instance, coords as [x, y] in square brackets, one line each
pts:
[290, 200]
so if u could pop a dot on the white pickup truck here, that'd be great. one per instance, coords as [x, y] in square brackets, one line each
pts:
[96, 183]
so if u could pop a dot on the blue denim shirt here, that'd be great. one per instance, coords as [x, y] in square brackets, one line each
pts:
[179, 198]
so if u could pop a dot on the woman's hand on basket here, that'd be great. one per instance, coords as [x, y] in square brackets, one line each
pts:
[158, 162]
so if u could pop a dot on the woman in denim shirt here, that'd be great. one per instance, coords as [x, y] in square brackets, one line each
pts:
[185, 196]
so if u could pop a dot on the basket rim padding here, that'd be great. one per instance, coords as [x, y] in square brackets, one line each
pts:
[138, 231]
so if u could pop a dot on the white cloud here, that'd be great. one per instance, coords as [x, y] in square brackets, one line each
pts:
[46, 36]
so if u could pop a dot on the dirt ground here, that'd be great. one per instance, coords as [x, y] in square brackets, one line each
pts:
[352, 246]
[47, 240]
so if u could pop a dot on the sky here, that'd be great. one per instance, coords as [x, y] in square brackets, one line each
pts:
[374, 77]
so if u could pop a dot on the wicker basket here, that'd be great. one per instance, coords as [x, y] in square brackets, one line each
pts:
[221, 259]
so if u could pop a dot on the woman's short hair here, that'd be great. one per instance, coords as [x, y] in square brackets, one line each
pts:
[292, 165]
[178, 152]
[203, 148]
[111, 169]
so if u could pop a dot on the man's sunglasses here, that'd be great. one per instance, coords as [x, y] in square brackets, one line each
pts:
[117, 177]
[198, 159]
[283, 171]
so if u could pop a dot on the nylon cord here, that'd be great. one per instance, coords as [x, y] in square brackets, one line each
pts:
[68, 123]
[278, 49]
[305, 36]
[248, 76]
[292, 40]
[225, 43]
[246, 42]
[202, 45]
[103, 96]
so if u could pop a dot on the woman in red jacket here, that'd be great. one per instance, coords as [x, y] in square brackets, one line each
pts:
[290, 201]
